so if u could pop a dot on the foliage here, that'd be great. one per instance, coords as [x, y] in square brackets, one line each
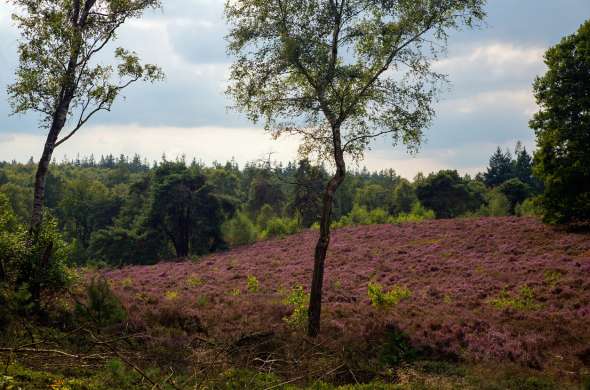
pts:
[264, 190]
[524, 300]
[361, 216]
[291, 72]
[187, 211]
[118, 246]
[279, 227]
[12, 242]
[101, 306]
[516, 192]
[372, 196]
[500, 168]
[529, 208]
[298, 299]
[87, 206]
[386, 299]
[239, 230]
[404, 197]
[397, 348]
[264, 215]
[417, 213]
[44, 266]
[253, 284]
[447, 194]
[562, 125]
[498, 205]
[53, 32]
[308, 188]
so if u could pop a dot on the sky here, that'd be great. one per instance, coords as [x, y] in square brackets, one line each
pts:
[488, 104]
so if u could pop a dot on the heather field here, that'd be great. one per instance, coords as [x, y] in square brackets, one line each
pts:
[505, 290]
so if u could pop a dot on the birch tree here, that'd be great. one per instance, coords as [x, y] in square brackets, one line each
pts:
[59, 75]
[338, 74]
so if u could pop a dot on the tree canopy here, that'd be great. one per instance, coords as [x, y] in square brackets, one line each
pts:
[59, 75]
[339, 74]
[562, 128]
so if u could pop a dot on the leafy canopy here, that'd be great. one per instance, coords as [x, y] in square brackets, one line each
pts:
[361, 66]
[562, 127]
[59, 43]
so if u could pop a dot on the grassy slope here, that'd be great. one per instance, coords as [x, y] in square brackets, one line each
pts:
[466, 278]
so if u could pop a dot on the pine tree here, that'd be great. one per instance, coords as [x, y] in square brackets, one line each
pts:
[500, 169]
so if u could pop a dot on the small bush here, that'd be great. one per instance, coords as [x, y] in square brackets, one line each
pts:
[279, 227]
[171, 295]
[498, 205]
[552, 277]
[102, 307]
[524, 300]
[253, 284]
[194, 281]
[417, 214]
[265, 214]
[298, 299]
[235, 292]
[239, 230]
[397, 348]
[384, 299]
[529, 208]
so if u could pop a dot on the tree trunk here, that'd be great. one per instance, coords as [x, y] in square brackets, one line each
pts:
[321, 249]
[41, 176]
[57, 124]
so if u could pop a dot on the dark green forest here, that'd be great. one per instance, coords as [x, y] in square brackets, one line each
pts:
[123, 210]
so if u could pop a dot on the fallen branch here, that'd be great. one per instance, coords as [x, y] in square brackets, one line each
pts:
[53, 351]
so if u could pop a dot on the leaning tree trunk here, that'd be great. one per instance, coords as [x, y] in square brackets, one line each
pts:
[42, 171]
[321, 249]
[57, 124]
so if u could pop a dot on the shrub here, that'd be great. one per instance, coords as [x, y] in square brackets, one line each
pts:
[171, 295]
[418, 213]
[12, 242]
[102, 306]
[239, 230]
[253, 284]
[515, 191]
[235, 292]
[44, 264]
[194, 281]
[397, 348]
[529, 208]
[384, 299]
[14, 303]
[279, 227]
[498, 205]
[523, 300]
[298, 299]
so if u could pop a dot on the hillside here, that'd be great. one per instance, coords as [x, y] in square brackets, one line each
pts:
[482, 290]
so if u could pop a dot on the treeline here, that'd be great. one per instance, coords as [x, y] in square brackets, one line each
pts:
[121, 210]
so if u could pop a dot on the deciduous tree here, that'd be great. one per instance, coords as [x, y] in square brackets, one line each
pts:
[562, 127]
[339, 73]
[59, 75]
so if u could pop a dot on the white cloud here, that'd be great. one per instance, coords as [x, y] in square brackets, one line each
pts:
[519, 100]
[494, 60]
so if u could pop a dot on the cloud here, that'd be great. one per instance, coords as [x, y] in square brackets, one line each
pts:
[491, 66]
[203, 143]
[518, 100]
[495, 57]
